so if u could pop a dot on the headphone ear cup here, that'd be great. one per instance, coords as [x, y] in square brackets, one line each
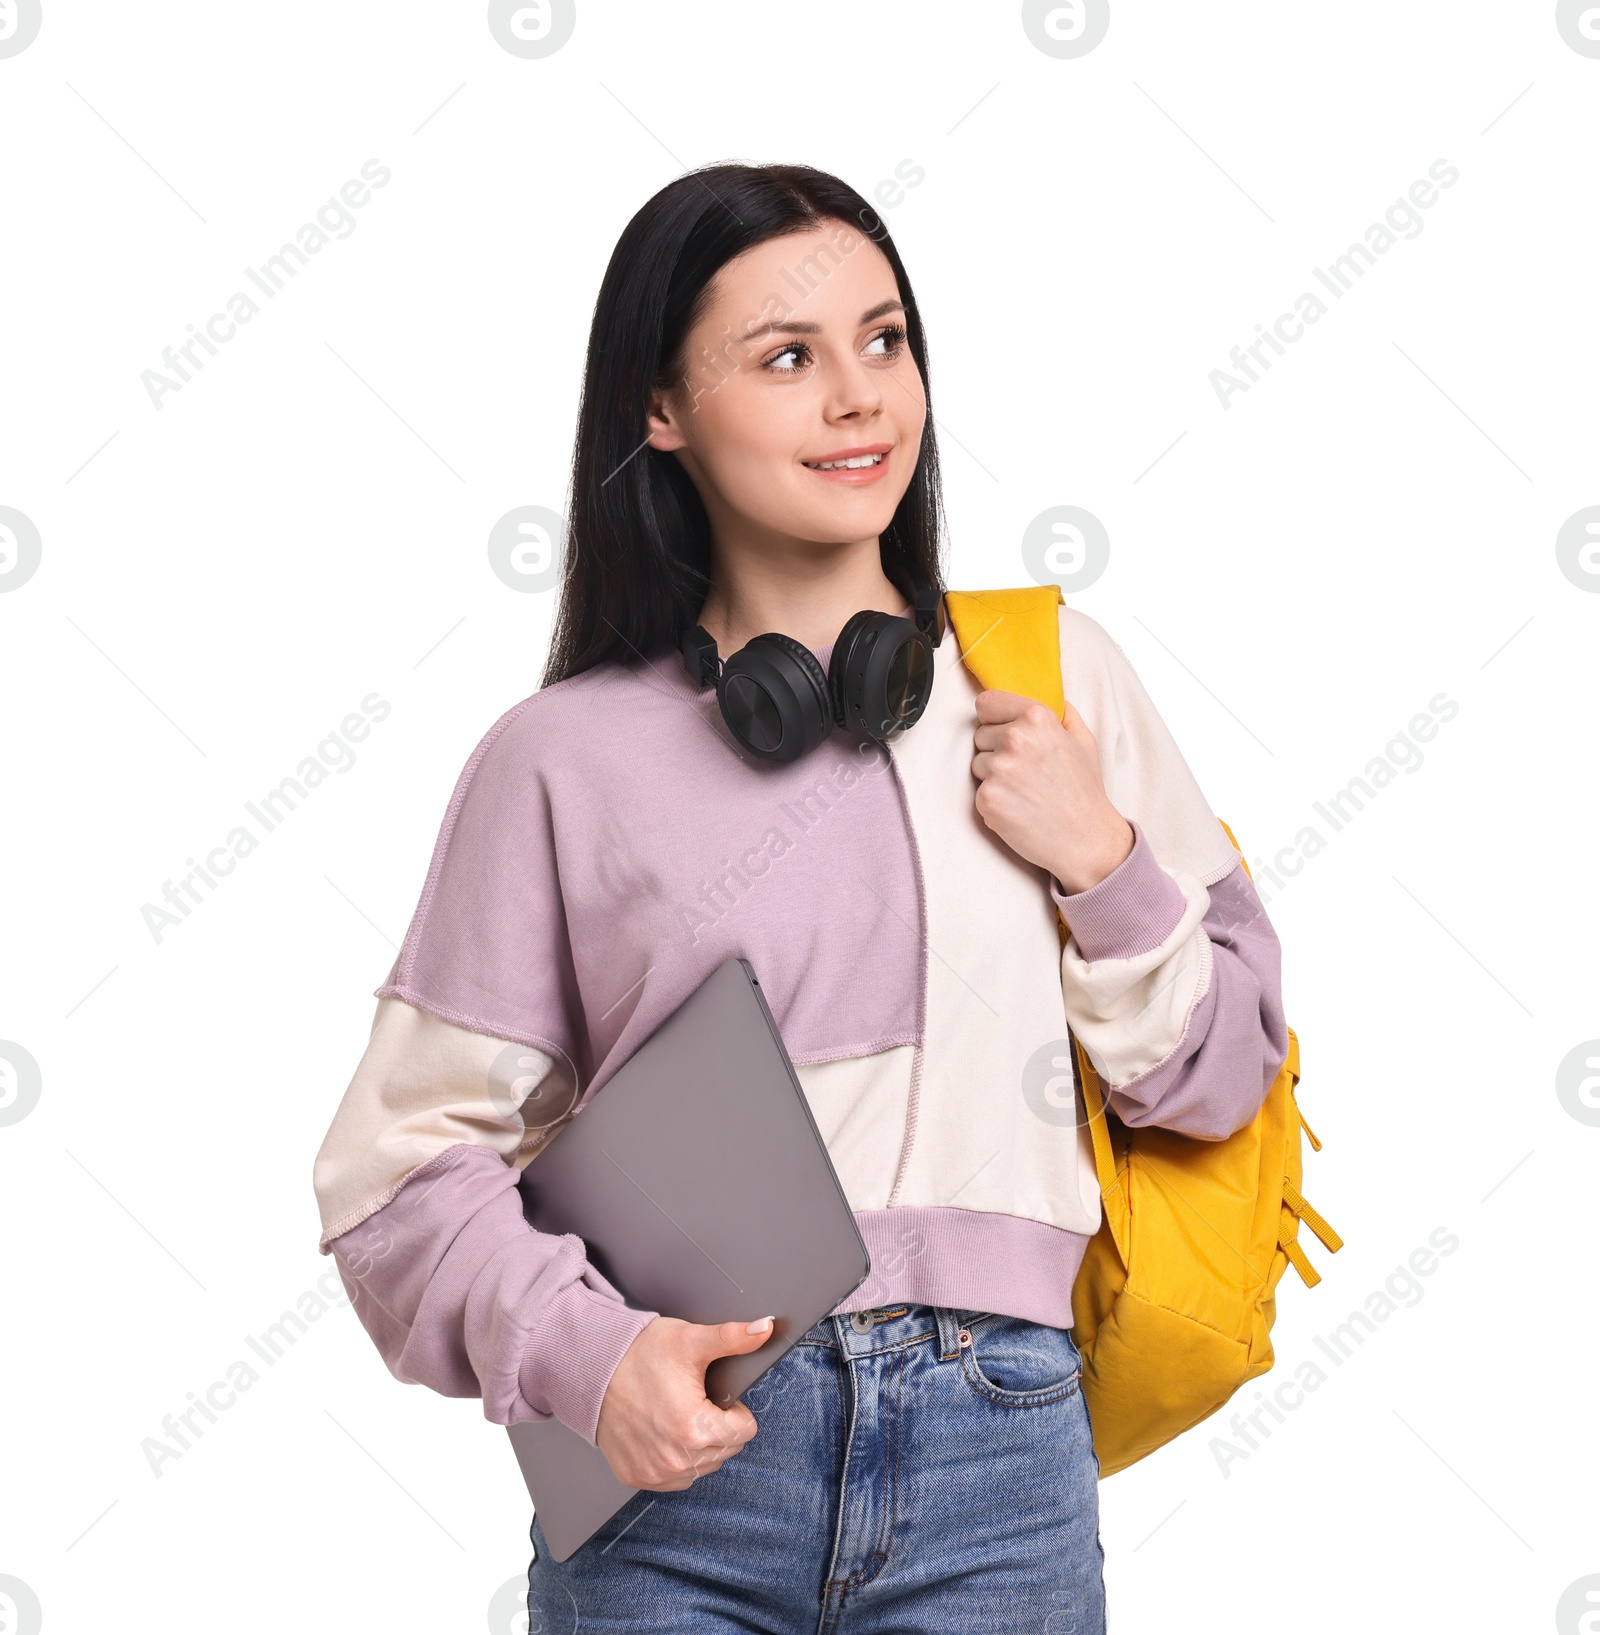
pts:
[774, 697]
[880, 675]
[846, 672]
[807, 660]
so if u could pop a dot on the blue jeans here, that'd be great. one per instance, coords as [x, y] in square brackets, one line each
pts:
[915, 1469]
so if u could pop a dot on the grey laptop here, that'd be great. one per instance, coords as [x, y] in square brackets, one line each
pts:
[699, 1182]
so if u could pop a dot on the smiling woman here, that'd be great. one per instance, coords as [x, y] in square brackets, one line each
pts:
[761, 450]
[783, 336]
[752, 583]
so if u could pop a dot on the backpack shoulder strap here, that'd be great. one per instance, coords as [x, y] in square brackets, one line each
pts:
[1011, 639]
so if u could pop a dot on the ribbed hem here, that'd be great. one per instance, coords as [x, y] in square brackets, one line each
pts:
[569, 1362]
[968, 1259]
[1131, 911]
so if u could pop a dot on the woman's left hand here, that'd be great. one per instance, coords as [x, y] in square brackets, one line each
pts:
[1040, 790]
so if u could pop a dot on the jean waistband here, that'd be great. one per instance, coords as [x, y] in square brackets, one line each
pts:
[885, 1328]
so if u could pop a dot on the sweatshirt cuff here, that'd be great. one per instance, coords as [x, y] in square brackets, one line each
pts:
[1134, 909]
[570, 1358]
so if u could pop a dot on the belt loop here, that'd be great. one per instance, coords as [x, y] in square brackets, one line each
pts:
[949, 1333]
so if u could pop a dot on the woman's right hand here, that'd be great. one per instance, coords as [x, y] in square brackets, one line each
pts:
[658, 1429]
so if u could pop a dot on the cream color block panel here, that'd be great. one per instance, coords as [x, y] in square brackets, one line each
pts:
[994, 1000]
[424, 1085]
[860, 1108]
[1144, 771]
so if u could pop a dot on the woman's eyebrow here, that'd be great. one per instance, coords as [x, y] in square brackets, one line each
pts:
[795, 327]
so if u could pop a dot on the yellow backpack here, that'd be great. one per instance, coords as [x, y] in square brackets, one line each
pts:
[1174, 1303]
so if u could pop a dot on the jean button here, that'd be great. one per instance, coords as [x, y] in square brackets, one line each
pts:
[861, 1321]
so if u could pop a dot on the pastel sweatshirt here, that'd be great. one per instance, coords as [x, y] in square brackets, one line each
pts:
[608, 846]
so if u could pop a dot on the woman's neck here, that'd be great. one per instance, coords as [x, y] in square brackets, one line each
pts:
[806, 593]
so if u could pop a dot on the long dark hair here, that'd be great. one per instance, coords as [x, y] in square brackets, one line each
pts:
[637, 560]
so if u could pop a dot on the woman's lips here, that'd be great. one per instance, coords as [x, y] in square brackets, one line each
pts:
[854, 476]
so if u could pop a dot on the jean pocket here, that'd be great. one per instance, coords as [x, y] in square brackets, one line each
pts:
[1020, 1364]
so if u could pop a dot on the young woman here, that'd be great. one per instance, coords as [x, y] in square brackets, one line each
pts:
[754, 538]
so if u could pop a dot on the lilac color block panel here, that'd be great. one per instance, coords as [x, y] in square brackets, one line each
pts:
[971, 1259]
[1129, 912]
[607, 847]
[460, 1294]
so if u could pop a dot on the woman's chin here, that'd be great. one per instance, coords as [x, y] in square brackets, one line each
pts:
[837, 520]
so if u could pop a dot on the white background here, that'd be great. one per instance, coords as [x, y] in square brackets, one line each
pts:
[1294, 577]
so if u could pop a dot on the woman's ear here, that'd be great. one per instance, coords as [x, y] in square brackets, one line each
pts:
[661, 423]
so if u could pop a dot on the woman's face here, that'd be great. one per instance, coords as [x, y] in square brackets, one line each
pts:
[799, 361]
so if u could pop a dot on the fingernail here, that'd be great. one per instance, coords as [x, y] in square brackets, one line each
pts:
[760, 1326]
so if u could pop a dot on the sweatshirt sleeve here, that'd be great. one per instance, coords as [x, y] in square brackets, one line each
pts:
[1171, 973]
[476, 1057]
[417, 1185]
[1174, 991]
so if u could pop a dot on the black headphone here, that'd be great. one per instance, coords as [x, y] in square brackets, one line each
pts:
[778, 703]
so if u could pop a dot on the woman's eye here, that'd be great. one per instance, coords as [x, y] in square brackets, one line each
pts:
[891, 339]
[796, 351]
